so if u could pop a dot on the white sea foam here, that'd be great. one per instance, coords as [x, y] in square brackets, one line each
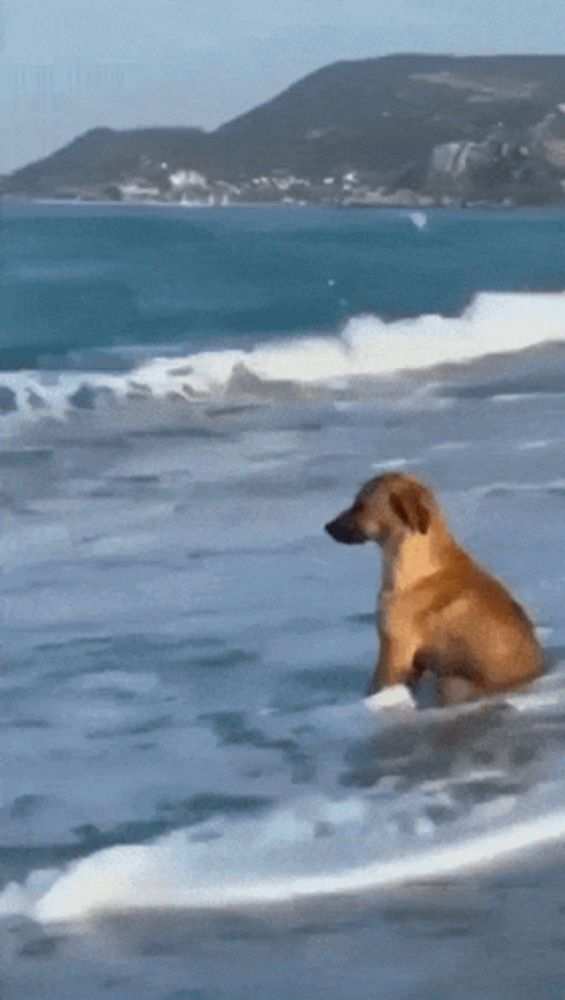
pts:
[174, 872]
[367, 346]
[419, 220]
[397, 696]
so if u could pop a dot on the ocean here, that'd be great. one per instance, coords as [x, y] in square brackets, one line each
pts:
[196, 803]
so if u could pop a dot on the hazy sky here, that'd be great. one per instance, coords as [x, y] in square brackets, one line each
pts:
[68, 65]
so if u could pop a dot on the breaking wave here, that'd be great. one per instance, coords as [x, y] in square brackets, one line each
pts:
[368, 347]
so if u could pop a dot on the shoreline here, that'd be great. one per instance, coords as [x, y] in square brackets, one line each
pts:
[424, 939]
[490, 207]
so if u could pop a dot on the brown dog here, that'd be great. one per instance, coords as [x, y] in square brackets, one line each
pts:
[438, 610]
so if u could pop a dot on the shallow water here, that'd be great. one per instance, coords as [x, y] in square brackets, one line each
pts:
[497, 937]
[185, 654]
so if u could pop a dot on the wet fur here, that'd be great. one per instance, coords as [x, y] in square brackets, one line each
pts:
[438, 610]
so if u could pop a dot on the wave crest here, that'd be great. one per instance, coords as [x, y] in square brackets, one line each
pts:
[368, 348]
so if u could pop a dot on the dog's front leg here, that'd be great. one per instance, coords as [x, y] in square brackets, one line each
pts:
[395, 664]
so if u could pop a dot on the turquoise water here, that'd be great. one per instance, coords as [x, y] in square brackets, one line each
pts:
[79, 278]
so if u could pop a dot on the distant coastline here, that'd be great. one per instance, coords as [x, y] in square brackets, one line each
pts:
[447, 206]
[406, 131]
[486, 206]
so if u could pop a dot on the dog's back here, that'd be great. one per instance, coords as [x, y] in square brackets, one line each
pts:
[471, 625]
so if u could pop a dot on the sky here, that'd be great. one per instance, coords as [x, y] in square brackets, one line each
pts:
[70, 65]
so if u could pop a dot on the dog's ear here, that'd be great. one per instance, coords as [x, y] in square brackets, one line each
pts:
[410, 504]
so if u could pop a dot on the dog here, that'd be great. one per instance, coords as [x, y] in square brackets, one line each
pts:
[438, 610]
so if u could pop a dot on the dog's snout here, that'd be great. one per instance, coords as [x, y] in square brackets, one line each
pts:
[331, 528]
[342, 530]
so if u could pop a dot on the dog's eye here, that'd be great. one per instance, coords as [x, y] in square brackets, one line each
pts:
[359, 507]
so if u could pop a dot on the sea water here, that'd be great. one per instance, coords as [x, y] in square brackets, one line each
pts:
[196, 802]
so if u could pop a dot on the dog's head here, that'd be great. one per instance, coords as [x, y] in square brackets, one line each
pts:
[385, 508]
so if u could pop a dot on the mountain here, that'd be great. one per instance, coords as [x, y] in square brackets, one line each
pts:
[404, 129]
